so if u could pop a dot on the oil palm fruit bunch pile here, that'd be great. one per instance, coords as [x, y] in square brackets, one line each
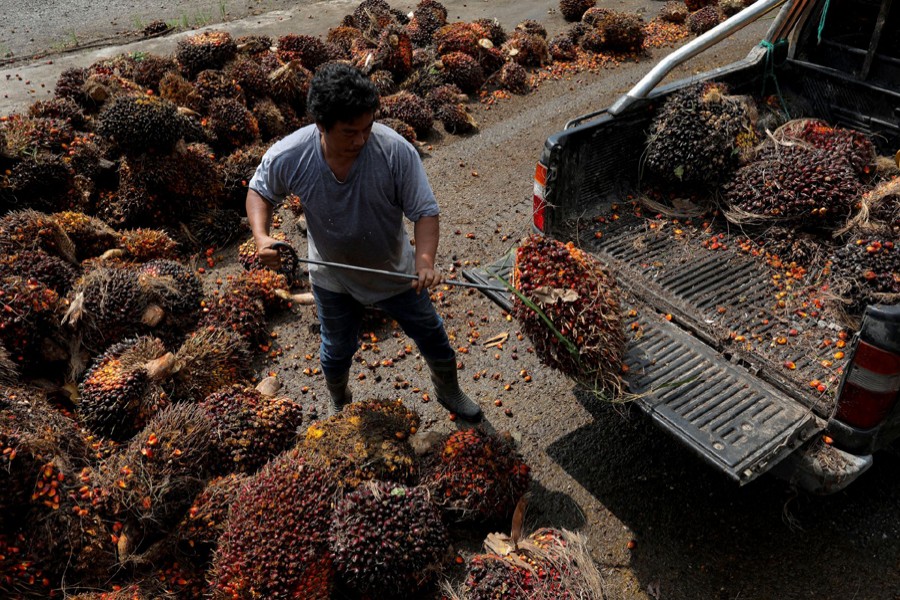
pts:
[699, 134]
[475, 476]
[387, 539]
[275, 540]
[866, 271]
[841, 143]
[549, 563]
[793, 184]
[367, 440]
[250, 427]
[568, 304]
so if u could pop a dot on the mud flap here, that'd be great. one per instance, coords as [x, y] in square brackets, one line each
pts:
[736, 422]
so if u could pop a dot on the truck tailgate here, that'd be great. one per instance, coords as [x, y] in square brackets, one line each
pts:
[732, 419]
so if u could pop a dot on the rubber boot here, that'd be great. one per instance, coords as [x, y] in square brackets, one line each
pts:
[340, 394]
[450, 396]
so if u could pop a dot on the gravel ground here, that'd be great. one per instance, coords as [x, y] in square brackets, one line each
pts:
[598, 469]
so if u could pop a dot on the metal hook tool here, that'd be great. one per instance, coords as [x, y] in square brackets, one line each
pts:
[409, 276]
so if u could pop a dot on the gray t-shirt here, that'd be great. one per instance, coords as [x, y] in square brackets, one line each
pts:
[358, 221]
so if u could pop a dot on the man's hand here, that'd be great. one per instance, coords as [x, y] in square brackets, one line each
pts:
[268, 255]
[428, 278]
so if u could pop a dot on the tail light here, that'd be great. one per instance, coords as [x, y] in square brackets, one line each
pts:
[870, 387]
[540, 205]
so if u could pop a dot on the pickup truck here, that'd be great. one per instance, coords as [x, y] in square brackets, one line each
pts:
[722, 352]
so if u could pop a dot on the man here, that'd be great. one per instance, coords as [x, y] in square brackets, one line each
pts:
[357, 180]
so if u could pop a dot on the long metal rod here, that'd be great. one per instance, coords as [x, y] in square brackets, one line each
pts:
[691, 49]
[409, 276]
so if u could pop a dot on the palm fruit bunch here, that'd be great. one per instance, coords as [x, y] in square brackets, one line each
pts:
[367, 440]
[208, 360]
[527, 49]
[23, 135]
[64, 109]
[68, 84]
[253, 46]
[579, 297]
[476, 476]
[406, 131]
[428, 17]
[121, 392]
[267, 286]
[573, 10]
[233, 124]
[456, 119]
[215, 227]
[278, 525]
[42, 181]
[704, 19]
[52, 271]
[621, 30]
[674, 11]
[371, 16]
[594, 15]
[28, 318]
[343, 37]
[695, 5]
[250, 427]
[109, 304]
[90, 236]
[179, 91]
[384, 82]
[410, 109]
[240, 314]
[250, 77]
[462, 70]
[207, 50]
[237, 169]
[445, 94]
[32, 230]
[459, 37]
[151, 68]
[176, 289]
[39, 449]
[73, 537]
[184, 181]
[514, 78]
[387, 539]
[698, 135]
[562, 48]
[203, 523]
[143, 245]
[290, 263]
[843, 144]
[393, 54]
[549, 563]
[153, 481]
[271, 120]
[794, 184]
[215, 83]
[532, 27]
[290, 85]
[730, 8]
[140, 123]
[866, 271]
[309, 50]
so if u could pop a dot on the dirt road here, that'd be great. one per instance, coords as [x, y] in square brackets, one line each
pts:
[597, 469]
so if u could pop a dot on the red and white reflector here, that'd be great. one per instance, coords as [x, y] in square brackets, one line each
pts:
[540, 205]
[870, 387]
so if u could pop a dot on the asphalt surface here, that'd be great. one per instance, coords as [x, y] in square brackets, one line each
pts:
[661, 525]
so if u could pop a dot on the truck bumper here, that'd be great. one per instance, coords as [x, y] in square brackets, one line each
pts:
[821, 469]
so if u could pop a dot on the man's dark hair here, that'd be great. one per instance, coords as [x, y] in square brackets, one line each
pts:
[339, 92]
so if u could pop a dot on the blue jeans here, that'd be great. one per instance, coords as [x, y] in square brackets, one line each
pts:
[340, 318]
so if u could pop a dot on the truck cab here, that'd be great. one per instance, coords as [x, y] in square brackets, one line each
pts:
[711, 333]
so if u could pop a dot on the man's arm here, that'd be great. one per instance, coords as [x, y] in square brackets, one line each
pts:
[427, 232]
[259, 213]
